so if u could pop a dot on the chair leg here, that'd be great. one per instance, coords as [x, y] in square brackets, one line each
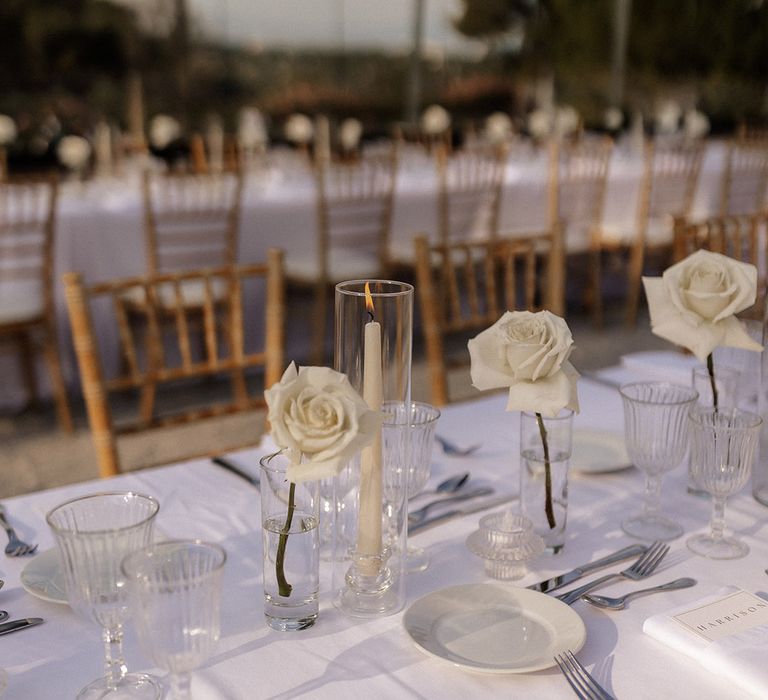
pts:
[51, 355]
[27, 359]
[319, 316]
[634, 278]
[595, 288]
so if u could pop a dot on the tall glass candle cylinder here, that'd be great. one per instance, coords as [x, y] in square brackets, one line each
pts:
[373, 348]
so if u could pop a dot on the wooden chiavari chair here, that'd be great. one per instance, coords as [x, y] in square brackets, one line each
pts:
[156, 363]
[431, 142]
[578, 178]
[745, 178]
[466, 286]
[743, 238]
[354, 211]
[27, 316]
[670, 176]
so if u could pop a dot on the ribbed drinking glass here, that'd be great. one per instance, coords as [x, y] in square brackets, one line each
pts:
[94, 534]
[656, 435]
[722, 451]
[175, 594]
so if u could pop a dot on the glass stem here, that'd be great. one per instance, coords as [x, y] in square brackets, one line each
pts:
[652, 496]
[180, 686]
[548, 507]
[718, 517]
[114, 663]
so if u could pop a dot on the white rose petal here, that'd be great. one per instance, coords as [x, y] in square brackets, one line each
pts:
[693, 303]
[299, 129]
[320, 419]
[435, 120]
[527, 352]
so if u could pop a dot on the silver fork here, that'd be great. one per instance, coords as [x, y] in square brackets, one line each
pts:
[15, 546]
[643, 567]
[582, 682]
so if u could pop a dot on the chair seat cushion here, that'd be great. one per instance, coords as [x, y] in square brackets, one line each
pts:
[192, 293]
[20, 302]
[342, 265]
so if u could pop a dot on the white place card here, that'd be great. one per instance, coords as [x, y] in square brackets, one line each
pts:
[734, 614]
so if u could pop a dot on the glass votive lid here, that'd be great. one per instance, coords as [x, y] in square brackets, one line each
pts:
[506, 541]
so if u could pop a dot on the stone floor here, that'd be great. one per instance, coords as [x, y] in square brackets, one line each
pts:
[35, 455]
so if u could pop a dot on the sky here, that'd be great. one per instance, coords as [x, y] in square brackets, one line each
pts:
[384, 24]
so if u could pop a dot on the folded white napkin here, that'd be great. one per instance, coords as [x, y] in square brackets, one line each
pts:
[732, 636]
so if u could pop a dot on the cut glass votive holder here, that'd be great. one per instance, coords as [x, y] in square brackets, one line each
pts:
[506, 542]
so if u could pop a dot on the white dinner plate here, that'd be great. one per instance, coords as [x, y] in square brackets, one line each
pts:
[43, 578]
[598, 452]
[494, 628]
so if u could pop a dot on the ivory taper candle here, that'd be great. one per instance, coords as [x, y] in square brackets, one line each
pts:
[369, 525]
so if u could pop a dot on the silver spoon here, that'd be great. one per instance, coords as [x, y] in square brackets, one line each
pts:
[604, 601]
[454, 450]
[3, 615]
[450, 485]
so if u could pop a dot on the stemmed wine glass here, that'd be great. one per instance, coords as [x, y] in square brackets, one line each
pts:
[94, 533]
[175, 594]
[722, 450]
[656, 428]
[408, 434]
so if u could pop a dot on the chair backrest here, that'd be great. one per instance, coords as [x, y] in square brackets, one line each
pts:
[27, 222]
[354, 203]
[466, 286]
[579, 173]
[469, 188]
[743, 238]
[191, 221]
[745, 178]
[405, 134]
[671, 172]
[162, 352]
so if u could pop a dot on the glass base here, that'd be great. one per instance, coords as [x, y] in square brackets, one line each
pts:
[654, 528]
[723, 548]
[417, 560]
[130, 687]
[290, 624]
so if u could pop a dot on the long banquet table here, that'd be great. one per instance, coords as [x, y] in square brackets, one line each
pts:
[341, 658]
[99, 223]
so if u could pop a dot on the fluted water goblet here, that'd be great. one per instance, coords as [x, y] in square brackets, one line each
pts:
[722, 451]
[175, 594]
[656, 435]
[94, 533]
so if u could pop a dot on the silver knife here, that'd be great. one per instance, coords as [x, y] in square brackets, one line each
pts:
[14, 625]
[556, 582]
[463, 510]
[232, 467]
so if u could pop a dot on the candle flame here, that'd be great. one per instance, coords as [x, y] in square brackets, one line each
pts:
[368, 299]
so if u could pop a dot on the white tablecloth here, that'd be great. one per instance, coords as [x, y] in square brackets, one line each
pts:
[342, 658]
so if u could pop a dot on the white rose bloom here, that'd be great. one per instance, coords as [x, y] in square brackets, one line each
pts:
[317, 416]
[668, 117]
[695, 124]
[435, 120]
[498, 127]
[613, 118]
[566, 121]
[539, 123]
[7, 130]
[251, 130]
[528, 352]
[350, 133]
[693, 303]
[299, 129]
[163, 130]
[73, 151]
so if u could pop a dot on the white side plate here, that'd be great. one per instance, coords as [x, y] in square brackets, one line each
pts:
[598, 452]
[42, 578]
[494, 628]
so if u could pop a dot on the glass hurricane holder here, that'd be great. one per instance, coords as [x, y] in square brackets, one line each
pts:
[175, 594]
[291, 546]
[408, 435]
[722, 451]
[94, 534]
[545, 454]
[373, 348]
[726, 387]
[656, 435]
